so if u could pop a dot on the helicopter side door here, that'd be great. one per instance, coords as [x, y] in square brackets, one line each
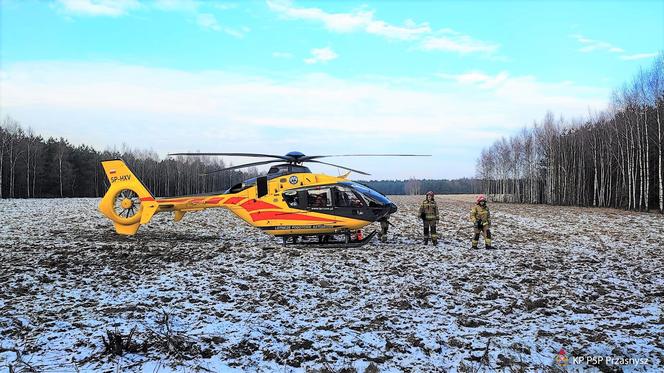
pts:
[319, 199]
[295, 199]
[347, 203]
[312, 199]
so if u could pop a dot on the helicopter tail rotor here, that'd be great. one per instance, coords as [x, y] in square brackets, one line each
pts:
[128, 203]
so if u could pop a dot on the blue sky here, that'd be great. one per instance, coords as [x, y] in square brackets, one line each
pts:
[440, 78]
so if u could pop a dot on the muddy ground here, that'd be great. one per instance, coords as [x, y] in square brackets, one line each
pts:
[212, 293]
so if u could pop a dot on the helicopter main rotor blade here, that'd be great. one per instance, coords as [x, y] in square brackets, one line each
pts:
[344, 167]
[240, 166]
[306, 158]
[236, 155]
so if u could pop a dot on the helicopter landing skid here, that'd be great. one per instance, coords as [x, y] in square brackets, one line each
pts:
[329, 241]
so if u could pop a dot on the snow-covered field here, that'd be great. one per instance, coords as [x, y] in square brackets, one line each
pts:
[212, 293]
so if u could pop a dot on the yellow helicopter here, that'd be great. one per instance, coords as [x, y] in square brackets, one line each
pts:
[289, 202]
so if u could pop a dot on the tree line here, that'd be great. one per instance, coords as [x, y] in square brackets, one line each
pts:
[609, 159]
[421, 186]
[33, 167]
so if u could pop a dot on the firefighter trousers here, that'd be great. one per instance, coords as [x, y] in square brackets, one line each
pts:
[486, 232]
[430, 225]
[384, 225]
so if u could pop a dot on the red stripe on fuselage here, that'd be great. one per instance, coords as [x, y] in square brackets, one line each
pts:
[277, 215]
[147, 199]
[253, 205]
[214, 200]
[174, 200]
[233, 200]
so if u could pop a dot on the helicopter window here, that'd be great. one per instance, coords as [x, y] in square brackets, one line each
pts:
[237, 187]
[319, 198]
[373, 202]
[291, 198]
[345, 197]
[374, 198]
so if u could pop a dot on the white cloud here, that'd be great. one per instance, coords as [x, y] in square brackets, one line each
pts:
[590, 45]
[359, 20]
[410, 30]
[522, 92]
[122, 7]
[112, 8]
[445, 40]
[638, 56]
[478, 78]
[239, 32]
[208, 21]
[115, 8]
[321, 55]
[452, 41]
[340, 22]
[167, 110]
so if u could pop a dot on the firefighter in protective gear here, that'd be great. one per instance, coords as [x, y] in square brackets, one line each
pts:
[429, 215]
[481, 218]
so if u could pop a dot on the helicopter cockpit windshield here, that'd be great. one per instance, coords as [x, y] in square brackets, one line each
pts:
[374, 199]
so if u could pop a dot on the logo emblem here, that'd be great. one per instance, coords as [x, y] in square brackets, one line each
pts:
[292, 180]
[561, 358]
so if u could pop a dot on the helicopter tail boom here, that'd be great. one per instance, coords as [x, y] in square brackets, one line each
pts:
[128, 203]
